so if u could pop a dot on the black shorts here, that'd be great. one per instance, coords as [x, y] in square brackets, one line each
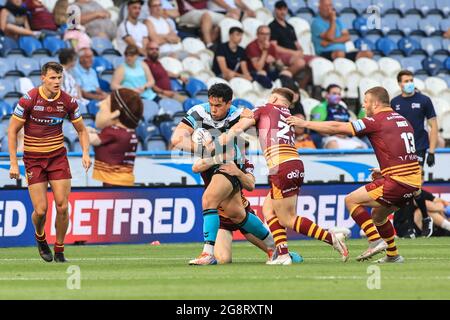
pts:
[234, 180]
[348, 55]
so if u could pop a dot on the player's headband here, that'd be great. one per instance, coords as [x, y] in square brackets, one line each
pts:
[124, 107]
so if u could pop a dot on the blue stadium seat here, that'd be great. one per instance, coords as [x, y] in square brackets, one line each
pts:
[155, 144]
[445, 44]
[104, 84]
[447, 63]
[413, 63]
[360, 25]
[92, 107]
[12, 98]
[170, 106]
[53, 44]
[340, 5]
[166, 128]
[5, 109]
[190, 102]
[27, 65]
[386, 45]
[5, 87]
[431, 44]
[432, 66]
[385, 6]
[408, 45]
[424, 6]
[151, 109]
[269, 4]
[44, 60]
[69, 132]
[35, 77]
[295, 5]
[408, 24]
[101, 44]
[444, 25]
[195, 86]
[117, 61]
[177, 117]
[373, 36]
[9, 46]
[31, 45]
[360, 5]
[5, 66]
[4, 144]
[100, 64]
[404, 6]
[313, 5]
[347, 19]
[243, 103]
[443, 6]
[389, 24]
[430, 25]
[175, 85]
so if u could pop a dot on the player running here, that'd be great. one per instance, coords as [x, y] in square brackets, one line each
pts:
[399, 179]
[42, 111]
[224, 190]
[285, 173]
[222, 248]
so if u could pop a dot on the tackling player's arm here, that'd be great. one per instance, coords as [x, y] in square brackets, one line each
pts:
[327, 127]
[15, 125]
[247, 179]
[246, 120]
[181, 138]
[84, 142]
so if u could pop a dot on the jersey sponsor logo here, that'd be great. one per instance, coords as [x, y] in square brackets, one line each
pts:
[359, 125]
[295, 174]
[51, 121]
[402, 124]
[415, 105]
[397, 107]
[38, 108]
[18, 111]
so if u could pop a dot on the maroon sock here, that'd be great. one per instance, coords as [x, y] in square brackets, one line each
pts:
[59, 247]
[40, 238]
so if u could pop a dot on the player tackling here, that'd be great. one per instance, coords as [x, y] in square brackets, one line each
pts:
[285, 173]
[41, 112]
[397, 181]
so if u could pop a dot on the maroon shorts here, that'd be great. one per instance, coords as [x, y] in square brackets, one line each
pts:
[286, 179]
[45, 169]
[227, 224]
[389, 192]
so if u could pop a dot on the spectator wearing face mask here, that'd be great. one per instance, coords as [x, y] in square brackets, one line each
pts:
[333, 109]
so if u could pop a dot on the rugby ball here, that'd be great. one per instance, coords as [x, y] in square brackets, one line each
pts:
[201, 136]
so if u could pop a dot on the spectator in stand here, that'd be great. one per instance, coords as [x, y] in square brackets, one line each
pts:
[60, 12]
[132, 31]
[14, 21]
[195, 13]
[87, 78]
[302, 139]
[264, 63]
[235, 9]
[162, 85]
[40, 18]
[68, 59]
[134, 74]
[332, 109]
[329, 35]
[289, 49]
[96, 19]
[230, 60]
[161, 30]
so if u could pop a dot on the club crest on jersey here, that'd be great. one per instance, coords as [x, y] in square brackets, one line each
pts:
[38, 108]
[415, 105]
[49, 109]
[60, 108]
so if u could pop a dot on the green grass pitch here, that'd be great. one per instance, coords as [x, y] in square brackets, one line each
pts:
[161, 272]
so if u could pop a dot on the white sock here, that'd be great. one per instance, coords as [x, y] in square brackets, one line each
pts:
[208, 248]
[445, 225]
[269, 242]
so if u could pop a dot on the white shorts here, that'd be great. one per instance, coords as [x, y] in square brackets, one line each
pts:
[193, 17]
